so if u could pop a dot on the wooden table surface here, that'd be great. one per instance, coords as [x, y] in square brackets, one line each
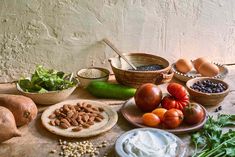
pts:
[36, 141]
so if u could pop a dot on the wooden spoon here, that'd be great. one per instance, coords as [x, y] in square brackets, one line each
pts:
[118, 52]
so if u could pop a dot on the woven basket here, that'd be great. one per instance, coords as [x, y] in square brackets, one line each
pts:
[137, 78]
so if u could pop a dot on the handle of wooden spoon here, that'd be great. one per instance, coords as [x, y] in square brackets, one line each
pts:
[118, 52]
[229, 64]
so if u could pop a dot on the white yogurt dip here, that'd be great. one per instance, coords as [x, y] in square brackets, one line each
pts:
[150, 144]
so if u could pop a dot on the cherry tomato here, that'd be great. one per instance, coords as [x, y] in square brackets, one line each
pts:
[193, 113]
[173, 118]
[148, 97]
[176, 90]
[160, 112]
[150, 119]
[169, 102]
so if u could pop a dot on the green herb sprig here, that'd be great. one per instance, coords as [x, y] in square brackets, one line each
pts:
[211, 141]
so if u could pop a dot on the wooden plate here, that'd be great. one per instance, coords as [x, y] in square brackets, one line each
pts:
[110, 119]
[223, 71]
[132, 114]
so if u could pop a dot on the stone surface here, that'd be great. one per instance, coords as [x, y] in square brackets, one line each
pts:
[37, 141]
[66, 34]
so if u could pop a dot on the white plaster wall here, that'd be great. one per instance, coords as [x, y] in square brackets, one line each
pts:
[66, 34]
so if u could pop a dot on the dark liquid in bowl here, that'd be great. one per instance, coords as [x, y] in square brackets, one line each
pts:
[152, 67]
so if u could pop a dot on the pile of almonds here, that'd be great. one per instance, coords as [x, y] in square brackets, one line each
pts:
[81, 115]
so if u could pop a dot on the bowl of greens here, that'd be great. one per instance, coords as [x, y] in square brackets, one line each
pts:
[47, 86]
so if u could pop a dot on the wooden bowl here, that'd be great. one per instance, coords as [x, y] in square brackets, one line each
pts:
[137, 78]
[50, 97]
[207, 99]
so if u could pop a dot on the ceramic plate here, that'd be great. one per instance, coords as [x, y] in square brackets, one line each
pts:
[110, 119]
[193, 74]
[180, 149]
[134, 115]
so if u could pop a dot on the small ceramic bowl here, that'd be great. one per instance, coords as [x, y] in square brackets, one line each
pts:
[120, 152]
[86, 76]
[207, 99]
[51, 97]
[223, 72]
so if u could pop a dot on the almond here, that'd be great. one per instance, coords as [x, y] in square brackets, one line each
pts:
[91, 119]
[89, 105]
[52, 116]
[64, 126]
[85, 125]
[65, 121]
[57, 122]
[100, 116]
[90, 123]
[97, 119]
[74, 122]
[77, 129]
[52, 122]
[70, 114]
[85, 118]
[101, 109]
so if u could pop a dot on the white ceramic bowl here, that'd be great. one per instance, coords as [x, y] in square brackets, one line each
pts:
[180, 149]
[50, 97]
[86, 76]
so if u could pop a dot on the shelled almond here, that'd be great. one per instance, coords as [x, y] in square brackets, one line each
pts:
[80, 116]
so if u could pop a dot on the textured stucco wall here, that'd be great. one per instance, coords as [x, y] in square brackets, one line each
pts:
[65, 34]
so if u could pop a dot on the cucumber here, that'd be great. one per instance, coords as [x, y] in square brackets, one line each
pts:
[108, 90]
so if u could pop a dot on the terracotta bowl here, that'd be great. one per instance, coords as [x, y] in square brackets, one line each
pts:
[51, 97]
[137, 78]
[207, 99]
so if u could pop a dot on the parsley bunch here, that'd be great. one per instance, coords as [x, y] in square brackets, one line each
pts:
[211, 141]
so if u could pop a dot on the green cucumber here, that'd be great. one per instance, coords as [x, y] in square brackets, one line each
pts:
[102, 89]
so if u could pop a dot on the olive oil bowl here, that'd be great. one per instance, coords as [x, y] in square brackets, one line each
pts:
[205, 98]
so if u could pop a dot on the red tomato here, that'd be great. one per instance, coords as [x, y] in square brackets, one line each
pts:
[150, 119]
[148, 97]
[169, 102]
[176, 90]
[173, 118]
[193, 113]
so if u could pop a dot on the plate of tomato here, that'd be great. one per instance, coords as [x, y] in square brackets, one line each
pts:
[173, 112]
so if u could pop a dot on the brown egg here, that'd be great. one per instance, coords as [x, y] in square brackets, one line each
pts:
[184, 65]
[199, 61]
[208, 69]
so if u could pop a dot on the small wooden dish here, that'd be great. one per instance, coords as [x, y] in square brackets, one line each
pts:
[110, 119]
[207, 99]
[134, 115]
[223, 71]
